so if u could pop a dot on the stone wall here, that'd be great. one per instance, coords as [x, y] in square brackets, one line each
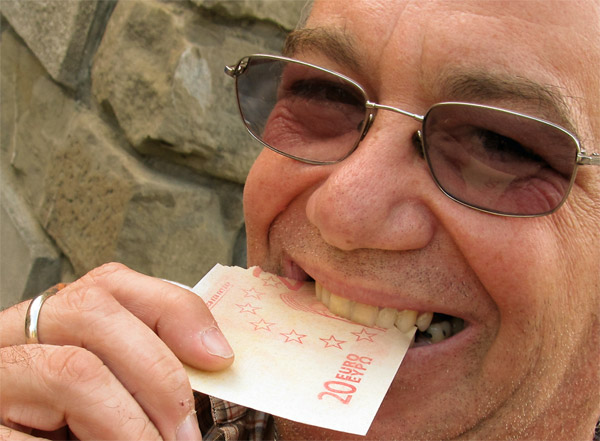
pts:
[120, 138]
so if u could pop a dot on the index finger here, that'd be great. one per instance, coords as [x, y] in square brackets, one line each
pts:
[177, 315]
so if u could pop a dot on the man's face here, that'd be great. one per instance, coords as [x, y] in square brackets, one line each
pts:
[375, 229]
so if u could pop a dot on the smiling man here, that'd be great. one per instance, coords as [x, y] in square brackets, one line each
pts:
[476, 220]
[375, 229]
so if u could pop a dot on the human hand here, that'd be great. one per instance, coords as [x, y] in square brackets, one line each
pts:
[107, 366]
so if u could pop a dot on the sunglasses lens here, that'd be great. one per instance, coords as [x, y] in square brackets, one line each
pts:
[301, 111]
[499, 161]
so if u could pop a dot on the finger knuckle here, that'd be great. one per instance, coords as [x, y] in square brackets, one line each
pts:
[169, 372]
[75, 367]
[88, 298]
[110, 269]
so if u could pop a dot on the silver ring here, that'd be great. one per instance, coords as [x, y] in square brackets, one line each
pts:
[33, 313]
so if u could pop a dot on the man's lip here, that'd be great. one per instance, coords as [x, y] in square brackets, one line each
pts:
[367, 294]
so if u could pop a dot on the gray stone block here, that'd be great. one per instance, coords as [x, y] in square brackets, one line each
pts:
[61, 33]
[29, 262]
[100, 204]
[171, 97]
[34, 117]
[283, 12]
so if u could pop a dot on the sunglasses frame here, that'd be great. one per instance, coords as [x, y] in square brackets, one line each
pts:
[371, 108]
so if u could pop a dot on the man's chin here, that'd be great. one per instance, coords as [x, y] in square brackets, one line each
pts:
[383, 428]
[291, 430]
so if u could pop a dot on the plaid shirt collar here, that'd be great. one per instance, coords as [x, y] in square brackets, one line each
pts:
[224, 421]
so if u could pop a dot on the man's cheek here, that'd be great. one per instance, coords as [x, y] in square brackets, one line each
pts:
[521, 268]
[274, 181]
[260, 189]
[267, 192]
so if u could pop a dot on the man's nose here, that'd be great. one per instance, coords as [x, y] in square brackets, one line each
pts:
[380, 197]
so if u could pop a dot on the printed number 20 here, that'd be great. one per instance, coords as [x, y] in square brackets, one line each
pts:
[338, 388]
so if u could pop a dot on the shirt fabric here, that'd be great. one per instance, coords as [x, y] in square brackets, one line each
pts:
[221, 420]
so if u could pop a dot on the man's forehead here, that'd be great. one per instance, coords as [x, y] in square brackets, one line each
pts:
[377, 22]
[547, 12]
[354, 33]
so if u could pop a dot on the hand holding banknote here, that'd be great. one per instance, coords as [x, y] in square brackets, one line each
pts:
[107, 365]
[108, 362]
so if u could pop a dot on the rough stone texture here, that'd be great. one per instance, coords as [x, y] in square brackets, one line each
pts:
[286, 14]
[160, 70]
[31, 263]
[121, 210]
[57, 31]
[35, 116]
[121, 140]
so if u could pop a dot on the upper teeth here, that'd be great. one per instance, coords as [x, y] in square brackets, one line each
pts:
[370, 315]
[404, 320]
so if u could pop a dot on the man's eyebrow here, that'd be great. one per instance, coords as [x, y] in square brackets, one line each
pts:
[336, 44]
[476, 85]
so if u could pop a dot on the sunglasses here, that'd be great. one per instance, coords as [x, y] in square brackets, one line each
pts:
[490, 159]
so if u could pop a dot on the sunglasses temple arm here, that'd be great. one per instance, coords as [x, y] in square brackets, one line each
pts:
[231, 71]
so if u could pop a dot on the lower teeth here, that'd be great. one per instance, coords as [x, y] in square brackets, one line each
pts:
[441, 328]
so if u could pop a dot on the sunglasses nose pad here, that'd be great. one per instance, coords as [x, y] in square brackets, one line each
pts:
[368, 125]
[417, 140]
